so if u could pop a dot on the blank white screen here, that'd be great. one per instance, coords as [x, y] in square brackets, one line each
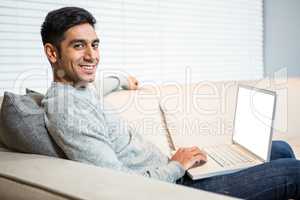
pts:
[253, 120]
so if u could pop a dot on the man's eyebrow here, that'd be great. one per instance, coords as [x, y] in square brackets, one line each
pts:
[83, 41]
[77, 41]
[96, 40]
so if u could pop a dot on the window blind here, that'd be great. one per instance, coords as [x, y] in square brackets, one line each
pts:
[158, 41]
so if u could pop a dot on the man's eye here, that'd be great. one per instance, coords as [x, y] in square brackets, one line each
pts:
[95, 45]
[78, 46]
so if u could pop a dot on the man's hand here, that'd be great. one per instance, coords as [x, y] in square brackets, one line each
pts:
[133, 83]
[189, 157]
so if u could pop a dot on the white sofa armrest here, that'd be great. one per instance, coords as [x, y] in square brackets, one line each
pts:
[74, 180]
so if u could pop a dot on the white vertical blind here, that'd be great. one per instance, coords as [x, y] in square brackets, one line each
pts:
[157, 40]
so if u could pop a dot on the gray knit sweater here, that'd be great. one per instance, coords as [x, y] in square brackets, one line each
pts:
[87, 133]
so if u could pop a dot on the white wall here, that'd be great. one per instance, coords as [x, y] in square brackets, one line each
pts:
[282, 36]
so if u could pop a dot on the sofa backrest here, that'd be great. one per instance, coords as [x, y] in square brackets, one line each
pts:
[141, 109]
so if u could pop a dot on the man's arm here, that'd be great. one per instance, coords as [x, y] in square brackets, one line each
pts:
[112, 83]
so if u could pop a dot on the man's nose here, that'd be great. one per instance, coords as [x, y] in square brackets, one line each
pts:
[91, 54]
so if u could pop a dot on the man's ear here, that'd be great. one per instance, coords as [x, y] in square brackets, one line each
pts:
[51, 52]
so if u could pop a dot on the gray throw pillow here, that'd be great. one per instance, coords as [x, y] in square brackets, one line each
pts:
[36, 96]
[22, 120]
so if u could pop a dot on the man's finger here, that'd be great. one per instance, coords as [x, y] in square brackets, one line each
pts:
[198, 160]
[201, 157]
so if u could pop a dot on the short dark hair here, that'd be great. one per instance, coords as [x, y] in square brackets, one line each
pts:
[57, 22]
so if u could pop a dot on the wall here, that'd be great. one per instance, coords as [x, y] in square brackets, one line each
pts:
[282, 36]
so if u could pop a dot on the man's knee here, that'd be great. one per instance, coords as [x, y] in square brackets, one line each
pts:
[281, 149]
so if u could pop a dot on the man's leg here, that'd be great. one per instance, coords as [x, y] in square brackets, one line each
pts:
[247, 182]
[279, 179]
[281, 149]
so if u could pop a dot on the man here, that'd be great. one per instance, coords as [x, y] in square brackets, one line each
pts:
[87, 133]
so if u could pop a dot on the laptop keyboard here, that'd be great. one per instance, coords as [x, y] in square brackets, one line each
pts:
[226, 156]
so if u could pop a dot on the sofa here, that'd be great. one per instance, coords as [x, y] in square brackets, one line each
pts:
[170, 116]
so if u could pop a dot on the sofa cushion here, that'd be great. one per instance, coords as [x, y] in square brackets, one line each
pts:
[76, 180]
[24, 130]
[15, 189]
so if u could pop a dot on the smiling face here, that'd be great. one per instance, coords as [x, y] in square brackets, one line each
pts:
[76, 61]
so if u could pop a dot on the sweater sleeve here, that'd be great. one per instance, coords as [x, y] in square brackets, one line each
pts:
[110, 84]
[85, 139]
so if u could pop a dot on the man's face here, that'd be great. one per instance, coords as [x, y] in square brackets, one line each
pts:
[79, 56]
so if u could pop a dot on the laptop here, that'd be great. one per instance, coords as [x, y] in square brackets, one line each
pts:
[252, 136]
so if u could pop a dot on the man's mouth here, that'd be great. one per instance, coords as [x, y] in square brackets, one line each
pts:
[88, 68]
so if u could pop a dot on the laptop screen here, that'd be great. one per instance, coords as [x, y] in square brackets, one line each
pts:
[253, 120]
